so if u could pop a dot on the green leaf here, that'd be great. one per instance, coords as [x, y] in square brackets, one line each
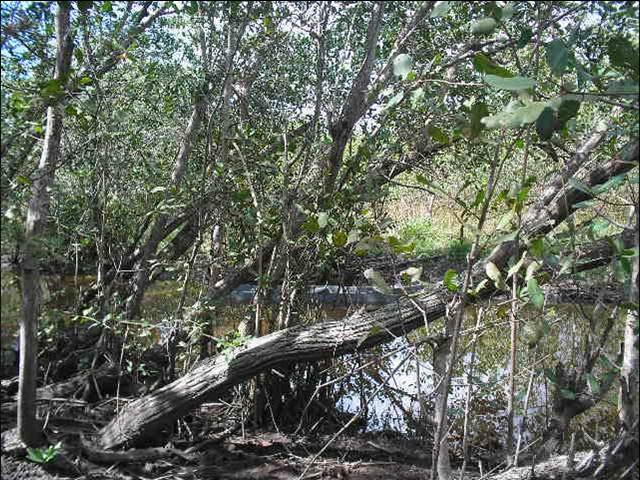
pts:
[354, 236]
[613, 182]
[585, 204]
[480, 286]
[484, 26]
[84, 5]
[402, 65]
[515, 117]
[532, 268]
[568, 394]
[568, 109]
[511, 84]
[622, 87]
[557, 56]
[106, 7]
[623, 55]
[578, 185]
[478, 112]
[545, 124]
[438, 134]
[536, 295]
[339, 238]
[323, 219]
[483, 64]
[551, 375]
[86, 81]
[52, 89]
[592, 381]
[516, 268]
[440, 9]
[376, 280]
[311, 224]
[417, 96]
[494, 274]
[505, 220]
[412, 273]
[395, 100]
[526, 34]
[450, 280]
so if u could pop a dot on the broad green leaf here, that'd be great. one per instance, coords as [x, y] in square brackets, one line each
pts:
[532, 268]
[578, 185]
[516, 268]
[551, 375]
[568, 109]
[483, 64]
[613, 182]
[511, 84]
[536, 295]
[545, 124]
[440, 9]
[526, 34]
[438, 134]
[376, 280]
[412, 273]
[622, 87]
[417, 96]
[493, 272]
[339, 238]
[354, 236]
[84, 5]
[515, 118]
[622, 54]
[484, 26]
[593, 384]
[568, 394]
[86, 81]
[480, 286]
[507, 12]
[449, 280]
[585, 204]
[323, 219]
[395, 100]
[402, 65]
[505, 220]
[478, 112]
[106, 7]
[557, 56]
[311, 224]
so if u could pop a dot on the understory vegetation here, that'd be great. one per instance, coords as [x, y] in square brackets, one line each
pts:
[319, 239]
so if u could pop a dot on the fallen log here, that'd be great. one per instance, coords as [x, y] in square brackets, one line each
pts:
[142, 421]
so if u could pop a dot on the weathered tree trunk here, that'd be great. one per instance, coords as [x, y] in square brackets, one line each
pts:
[140, 421]
[629, 373]
[37, 214]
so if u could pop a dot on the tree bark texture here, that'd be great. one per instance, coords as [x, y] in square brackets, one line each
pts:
[37, 214]
[629, 372]
[140, 421]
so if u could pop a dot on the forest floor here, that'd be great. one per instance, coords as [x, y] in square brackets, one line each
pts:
[259, 455]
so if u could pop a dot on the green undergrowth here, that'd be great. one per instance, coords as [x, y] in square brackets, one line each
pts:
[432, 240]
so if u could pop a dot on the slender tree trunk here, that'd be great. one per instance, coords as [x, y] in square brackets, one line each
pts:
[441, 424]
[629, 373]
[37, 213]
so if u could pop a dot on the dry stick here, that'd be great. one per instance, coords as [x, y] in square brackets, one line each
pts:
[354, 418]
[513, 320]
[465, 435]
[524, 418]
[460, 306]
